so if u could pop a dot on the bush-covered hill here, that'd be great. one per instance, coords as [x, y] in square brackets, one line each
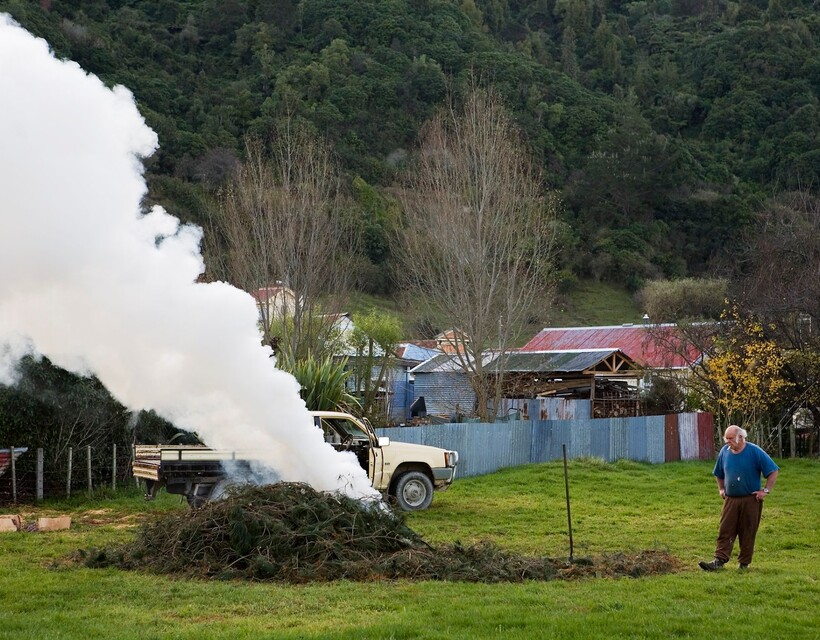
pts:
[662, 122]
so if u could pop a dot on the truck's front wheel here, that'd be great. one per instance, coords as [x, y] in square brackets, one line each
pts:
[414, 491]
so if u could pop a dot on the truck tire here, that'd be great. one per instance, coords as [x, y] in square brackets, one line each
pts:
[198, 495]
[414, 491]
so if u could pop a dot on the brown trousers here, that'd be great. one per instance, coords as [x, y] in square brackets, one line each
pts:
[739, 519]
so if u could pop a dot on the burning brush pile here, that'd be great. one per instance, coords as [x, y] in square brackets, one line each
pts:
[289, 532]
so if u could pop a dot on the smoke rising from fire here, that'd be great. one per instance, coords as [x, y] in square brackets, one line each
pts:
[101, 288]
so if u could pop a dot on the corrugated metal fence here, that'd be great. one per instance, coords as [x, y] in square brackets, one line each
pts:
[487, 447]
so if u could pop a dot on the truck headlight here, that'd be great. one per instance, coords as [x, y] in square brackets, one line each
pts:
[451, 458]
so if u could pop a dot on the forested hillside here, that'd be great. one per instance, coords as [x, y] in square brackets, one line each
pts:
[663, 123]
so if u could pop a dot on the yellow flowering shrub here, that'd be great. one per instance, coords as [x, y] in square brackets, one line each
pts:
[746, 370]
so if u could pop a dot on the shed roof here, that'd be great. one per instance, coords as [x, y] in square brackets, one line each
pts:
[415, 352]
[639, 343]
[447, 363]
[272, 291]
[587, 361]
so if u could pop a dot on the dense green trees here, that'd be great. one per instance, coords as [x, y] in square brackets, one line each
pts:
[660, 121]
[55, 410]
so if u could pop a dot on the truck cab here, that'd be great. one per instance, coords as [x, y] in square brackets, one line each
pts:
[408, 473]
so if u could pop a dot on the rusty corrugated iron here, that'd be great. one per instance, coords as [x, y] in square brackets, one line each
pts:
[552, 361]
[638, 342]
[706, 436]
[671, 438]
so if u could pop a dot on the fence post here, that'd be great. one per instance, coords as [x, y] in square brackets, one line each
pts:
[114, 469]
[39, 490]
[569, 516]
[88, 469]
[13, 477]
[68, 481]
[131, 463]
[792, 440]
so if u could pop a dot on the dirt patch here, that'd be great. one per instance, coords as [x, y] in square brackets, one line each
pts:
[108, 517]
[90, 518]
[290, 533]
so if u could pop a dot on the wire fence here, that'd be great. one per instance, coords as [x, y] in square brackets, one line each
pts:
[33, 475]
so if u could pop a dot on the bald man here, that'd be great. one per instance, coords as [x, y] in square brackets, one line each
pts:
[738, 469]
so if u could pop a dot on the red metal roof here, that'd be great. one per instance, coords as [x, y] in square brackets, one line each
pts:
[639, 343]
[266, 293]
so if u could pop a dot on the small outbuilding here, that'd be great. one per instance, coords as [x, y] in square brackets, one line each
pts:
[599, 375]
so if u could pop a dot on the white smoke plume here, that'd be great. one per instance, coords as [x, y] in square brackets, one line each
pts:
[98, 287]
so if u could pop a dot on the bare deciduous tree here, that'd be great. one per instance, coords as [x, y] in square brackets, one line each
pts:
[279, 223]
[478, 236]
[780, 282]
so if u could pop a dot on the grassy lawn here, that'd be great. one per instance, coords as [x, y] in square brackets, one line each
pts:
[595, 304]
[622, 506]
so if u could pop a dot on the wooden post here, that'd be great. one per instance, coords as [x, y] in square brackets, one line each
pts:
[13, 477]
[68, 481]
[792, 439]
[88, 469]
[114, 469]
[592, 397]
[39, 490]
[131, 465]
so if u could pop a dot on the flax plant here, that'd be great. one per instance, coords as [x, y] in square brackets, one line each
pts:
[322, 383]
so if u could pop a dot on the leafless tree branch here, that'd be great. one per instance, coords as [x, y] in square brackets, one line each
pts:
[478, 237]
[281, 223]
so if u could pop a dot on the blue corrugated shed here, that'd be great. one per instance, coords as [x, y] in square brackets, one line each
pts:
[400, 380]
[547, 408]
[445, 393]
[401, 393]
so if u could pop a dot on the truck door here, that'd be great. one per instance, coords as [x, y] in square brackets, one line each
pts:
[347, 434]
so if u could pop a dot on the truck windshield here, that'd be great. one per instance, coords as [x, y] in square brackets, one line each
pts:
[342, 430]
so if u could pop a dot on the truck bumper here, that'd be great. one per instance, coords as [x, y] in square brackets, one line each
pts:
[443, 476]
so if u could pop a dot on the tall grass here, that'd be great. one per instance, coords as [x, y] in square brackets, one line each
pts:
[588, 303]
[619, 506]
[593, 303]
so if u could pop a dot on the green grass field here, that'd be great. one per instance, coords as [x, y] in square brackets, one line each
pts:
[622, 506]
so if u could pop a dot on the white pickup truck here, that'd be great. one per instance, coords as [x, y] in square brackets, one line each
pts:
[406, 472]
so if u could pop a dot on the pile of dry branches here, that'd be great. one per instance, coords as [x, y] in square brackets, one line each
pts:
[288, 532]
